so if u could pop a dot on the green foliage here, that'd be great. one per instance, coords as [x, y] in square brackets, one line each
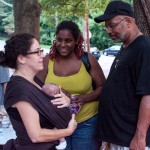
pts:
[97, 6]
[55, 11]
[128, 1]
[64, 8]
[6, 18]
[100, 39]
[47, 30]
[8, 23]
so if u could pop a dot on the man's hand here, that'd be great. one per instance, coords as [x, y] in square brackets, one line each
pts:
[138, 142]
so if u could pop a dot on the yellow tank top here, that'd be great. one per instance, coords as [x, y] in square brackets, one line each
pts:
[77, 84]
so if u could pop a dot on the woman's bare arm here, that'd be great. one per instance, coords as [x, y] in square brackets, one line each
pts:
[37, 134]
[98, 79]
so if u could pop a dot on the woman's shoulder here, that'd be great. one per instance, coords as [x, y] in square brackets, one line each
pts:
[18, 83]
[17, 89]
[92, 60]
[47, 60]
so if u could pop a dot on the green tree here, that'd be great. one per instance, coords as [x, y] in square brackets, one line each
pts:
[6, 17]
[63, 8]
[46, 30]
[59, 10]
[100, 38]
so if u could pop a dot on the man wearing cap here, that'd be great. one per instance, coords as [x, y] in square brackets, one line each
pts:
[124, 110]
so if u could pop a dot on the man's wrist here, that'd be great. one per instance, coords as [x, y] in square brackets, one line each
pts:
[140, 133]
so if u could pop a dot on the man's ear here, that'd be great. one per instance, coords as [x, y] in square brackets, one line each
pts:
[21, 59]
[129, 21]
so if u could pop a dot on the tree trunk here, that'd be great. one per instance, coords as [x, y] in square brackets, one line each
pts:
[142, 15]
[27, 17]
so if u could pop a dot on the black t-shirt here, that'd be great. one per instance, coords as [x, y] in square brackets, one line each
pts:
[128, 81]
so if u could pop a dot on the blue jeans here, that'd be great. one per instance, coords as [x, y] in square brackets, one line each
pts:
[84, 137]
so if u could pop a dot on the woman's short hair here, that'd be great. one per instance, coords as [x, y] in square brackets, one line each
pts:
[16, 45]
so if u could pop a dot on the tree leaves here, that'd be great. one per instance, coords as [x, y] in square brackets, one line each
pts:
[67, 8]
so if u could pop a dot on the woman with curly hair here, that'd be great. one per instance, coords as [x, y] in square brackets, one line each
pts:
[64, 67]
[30, 110]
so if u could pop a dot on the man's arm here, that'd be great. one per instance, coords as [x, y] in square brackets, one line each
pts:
[139, 140]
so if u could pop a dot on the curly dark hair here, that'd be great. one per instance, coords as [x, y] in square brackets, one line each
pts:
[17, 44]
[74, 29]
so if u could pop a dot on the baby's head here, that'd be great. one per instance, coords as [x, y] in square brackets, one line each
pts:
[51, 89]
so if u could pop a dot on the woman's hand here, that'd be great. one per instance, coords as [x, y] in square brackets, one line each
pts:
[72, 124]
[66, 92]
[79, 99]
[61, 100]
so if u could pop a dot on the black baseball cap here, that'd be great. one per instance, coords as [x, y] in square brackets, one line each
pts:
[115, 8]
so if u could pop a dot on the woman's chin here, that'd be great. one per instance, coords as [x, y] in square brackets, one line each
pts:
[40, 68]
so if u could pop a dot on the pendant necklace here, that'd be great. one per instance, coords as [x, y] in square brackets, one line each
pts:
[121, 52]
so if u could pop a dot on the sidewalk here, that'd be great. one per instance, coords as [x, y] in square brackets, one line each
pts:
[105, 63]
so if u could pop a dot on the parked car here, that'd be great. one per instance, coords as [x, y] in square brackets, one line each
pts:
[95, 52]
[113, 50]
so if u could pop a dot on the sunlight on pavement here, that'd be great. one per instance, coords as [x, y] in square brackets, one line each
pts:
[105, 63]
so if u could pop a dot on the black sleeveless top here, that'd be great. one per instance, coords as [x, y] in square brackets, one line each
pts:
[20, 89]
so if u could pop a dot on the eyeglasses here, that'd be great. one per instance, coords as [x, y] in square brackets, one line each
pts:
[39, 52]
[113, 26]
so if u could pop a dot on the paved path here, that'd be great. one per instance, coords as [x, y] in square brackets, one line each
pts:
[105, 63]
[2, 43]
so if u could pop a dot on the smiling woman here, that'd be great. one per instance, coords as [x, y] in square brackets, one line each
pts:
[64, 67]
